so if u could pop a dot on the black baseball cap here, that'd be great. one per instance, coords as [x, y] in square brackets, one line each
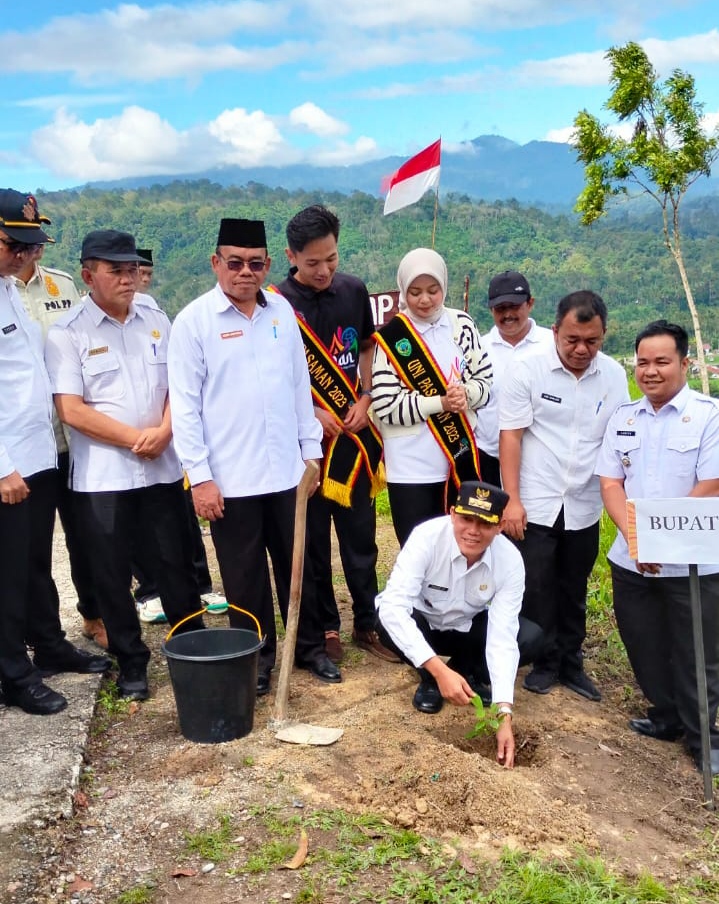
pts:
[110, 245]
[481, 500]
[509, 287]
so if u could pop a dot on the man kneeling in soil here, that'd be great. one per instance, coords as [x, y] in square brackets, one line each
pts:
[456, 590]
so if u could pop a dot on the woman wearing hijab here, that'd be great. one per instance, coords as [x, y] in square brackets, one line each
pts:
[429, 376]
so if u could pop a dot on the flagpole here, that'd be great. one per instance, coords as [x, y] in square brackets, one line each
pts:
[436, 208]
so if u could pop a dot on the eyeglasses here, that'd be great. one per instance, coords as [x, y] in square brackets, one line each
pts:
[237, 264]
[20, 247]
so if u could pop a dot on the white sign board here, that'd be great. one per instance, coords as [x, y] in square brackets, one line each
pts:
[675, 531]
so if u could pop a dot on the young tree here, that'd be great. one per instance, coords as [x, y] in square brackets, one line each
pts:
[668, 152]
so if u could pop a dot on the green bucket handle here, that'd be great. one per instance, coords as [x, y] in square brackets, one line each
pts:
[202, 611]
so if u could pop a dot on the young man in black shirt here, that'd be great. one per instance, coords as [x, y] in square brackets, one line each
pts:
[335, 317]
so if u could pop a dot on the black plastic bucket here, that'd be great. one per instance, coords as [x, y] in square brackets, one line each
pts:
[214, 679]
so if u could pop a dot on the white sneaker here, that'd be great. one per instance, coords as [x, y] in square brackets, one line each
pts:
[150, 611]
[214, 602]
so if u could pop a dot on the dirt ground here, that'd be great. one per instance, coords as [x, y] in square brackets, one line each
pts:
[583, 780]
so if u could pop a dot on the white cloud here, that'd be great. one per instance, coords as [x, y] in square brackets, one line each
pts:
[55, 101]
[562, 136]
[344, 153]
[248, 139]
[575, 70]
[132, 43]
[138, 142]
[309, 117]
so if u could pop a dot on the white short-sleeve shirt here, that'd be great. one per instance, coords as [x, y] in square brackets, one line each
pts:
[564, 418]
[661, 455]
[119, 369]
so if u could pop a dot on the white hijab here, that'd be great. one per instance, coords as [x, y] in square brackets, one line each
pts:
[421, 262]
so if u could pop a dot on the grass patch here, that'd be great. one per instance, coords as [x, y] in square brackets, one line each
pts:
[362, 859]
[215, 845]
[109, 707]
[139, 894]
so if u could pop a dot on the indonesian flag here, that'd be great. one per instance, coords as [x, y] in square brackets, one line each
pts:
[413, 178]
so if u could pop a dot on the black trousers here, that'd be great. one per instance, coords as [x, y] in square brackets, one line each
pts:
[144, 568]
[29, 606]
[558, 563]
[468, 649]
[489, 468]
[413, 503]
[355, 528]
[654, 621]
[80, 566]
[252, 527]
[110, 524]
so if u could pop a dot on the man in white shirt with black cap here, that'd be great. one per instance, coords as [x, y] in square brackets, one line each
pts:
[244, 425]
[456, 590]
[107, 359]
[510, 303]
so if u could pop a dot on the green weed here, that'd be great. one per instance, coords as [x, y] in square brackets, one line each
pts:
[140, 894]
[215, 845]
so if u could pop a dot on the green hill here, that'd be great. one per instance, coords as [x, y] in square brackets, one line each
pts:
[622, 257]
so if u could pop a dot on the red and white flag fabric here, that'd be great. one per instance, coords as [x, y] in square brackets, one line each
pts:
[413, 178]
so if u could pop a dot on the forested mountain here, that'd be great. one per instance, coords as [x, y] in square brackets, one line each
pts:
[489, 167]
[622, 257]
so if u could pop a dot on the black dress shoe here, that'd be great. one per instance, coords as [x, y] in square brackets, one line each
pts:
[72, 659]
[658, 729]
[263, 683]
[36, 699]
[132, 684]
[483, 691]
[323, 668]
[427, 698]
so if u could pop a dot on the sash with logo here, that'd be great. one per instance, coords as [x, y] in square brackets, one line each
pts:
[418, 369]
[347, 453]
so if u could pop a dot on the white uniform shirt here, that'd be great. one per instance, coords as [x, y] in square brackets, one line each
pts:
[564, 419]
[242, 408]
[46, 296]
[431, 576]
[27, 443]
[661, 455]
[119, 369]
[501, 353]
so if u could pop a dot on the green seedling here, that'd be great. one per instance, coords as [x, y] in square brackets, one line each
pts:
[487, 719]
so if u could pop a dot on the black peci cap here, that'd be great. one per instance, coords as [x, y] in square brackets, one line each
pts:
[481, 500]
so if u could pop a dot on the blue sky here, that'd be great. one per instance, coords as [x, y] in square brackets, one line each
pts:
[97, 90]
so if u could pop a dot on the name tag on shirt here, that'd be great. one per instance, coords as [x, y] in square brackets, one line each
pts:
[626, 432]
[551, 398]
[10, 328]
[437, 587]
[232, 335]
[100, 350]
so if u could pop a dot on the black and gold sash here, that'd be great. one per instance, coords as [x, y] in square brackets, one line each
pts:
[348, 452]
[417, 368]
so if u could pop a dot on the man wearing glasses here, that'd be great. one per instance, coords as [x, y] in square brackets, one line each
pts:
[244, 425]
[28, 484]
[107, 359]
